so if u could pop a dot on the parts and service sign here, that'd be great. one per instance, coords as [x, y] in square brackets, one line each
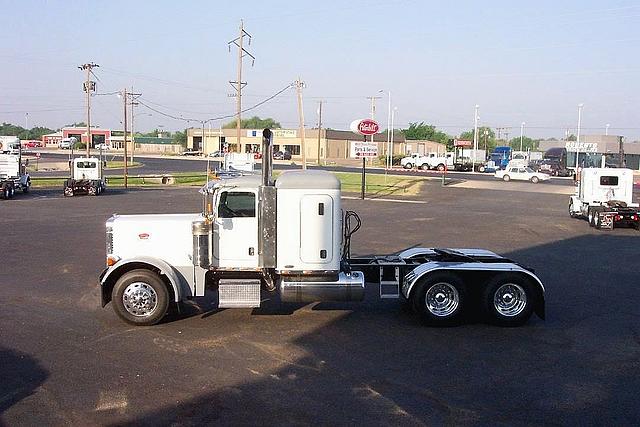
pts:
[363, 149]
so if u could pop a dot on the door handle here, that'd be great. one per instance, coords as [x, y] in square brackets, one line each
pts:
[251, 251]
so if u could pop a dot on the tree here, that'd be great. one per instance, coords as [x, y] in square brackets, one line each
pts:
[254, 122]
[77, 125]
[180, 138]
[527, 143]
[22, 133]
[572, 137]
[423, 131]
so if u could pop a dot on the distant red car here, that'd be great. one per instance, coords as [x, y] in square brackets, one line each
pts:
[257, 155]
[30, 144]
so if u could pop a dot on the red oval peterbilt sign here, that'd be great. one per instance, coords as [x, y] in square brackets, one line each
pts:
[365, 126]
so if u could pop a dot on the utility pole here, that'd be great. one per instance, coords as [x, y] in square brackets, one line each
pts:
[299, 84]
[239, 84]
[88, 87]
[580, 106]
[319, 129]
[475, 138]
[124, 98]
[133, 137]
[521, 134]
[373, 108]
[606, 128]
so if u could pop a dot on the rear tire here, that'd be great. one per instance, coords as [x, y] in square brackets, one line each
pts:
[408, 166]
[440, 167]
[590, 216]
[440, 299]
[140, 297]
[508, 299]
[481, 169]
[26, 188]
[424, 167]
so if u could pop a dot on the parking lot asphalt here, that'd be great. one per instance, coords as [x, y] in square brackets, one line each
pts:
[66, 360]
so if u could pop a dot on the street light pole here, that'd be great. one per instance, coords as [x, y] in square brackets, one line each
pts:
[578, 136]
[606, 129]
[521, 134]
[475, 138]
[389, 148]
[393, 116]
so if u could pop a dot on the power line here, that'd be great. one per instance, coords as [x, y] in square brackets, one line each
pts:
[226, 116]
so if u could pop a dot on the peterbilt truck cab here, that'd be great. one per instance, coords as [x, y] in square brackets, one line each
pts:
[290, 236]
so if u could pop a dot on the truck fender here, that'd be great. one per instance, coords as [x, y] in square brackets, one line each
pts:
[421, 271]
[108, 278]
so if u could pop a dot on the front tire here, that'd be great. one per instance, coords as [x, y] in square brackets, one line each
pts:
[535, 179]
[408, 166]
[506, 178]
[440, 299]
[440, 167]
[140, 297]
[508, 300]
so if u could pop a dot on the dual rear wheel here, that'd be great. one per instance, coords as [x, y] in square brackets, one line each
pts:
[506, 299]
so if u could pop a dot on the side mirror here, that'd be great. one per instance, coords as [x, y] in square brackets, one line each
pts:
[104, 163]
[26, 162]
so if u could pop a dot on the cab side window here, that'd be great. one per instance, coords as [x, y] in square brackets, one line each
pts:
[237, 204]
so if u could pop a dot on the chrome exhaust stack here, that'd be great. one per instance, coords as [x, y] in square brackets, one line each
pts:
[267, 158]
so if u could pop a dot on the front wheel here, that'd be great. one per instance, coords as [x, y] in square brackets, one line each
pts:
[25, 189]
[508, 300]
[140, 297]
[424, 167]
[408, 166]
[440, 167]
[535, 179]
[506, 178]
[481, 169]
[440, 299]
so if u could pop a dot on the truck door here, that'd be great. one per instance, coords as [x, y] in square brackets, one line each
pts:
[235, 242]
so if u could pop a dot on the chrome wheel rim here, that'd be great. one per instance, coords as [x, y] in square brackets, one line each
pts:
[442, 299]
[139, 299]
[510, 299]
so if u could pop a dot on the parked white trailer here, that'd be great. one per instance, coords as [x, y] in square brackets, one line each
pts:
[13, 170]
[290, 237]
[604, 197]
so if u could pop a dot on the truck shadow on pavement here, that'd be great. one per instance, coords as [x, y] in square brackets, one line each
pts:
[371, 365]
[20, 377]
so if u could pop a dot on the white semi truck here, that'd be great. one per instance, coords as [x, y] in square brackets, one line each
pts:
[13, 171]
[87, 177]
[438, 161]
[604, 197]
[290, 237]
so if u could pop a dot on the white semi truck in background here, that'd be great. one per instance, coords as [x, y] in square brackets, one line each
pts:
[256, 238]
[87, 177]
[13, 170]
[604, 197]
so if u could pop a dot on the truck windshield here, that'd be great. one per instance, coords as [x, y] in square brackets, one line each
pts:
[86, 165]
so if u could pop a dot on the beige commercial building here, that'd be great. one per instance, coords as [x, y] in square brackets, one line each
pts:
[334, 145]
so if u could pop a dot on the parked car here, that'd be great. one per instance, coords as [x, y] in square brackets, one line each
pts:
[67, 143]
[192, 153]
[217, 153]
[257, 156]
[521, 174]
[104, 146]
[282, 155]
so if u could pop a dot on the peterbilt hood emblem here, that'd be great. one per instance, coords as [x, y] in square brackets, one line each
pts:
[143, 236]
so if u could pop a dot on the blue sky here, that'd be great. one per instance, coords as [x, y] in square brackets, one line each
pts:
[520, 61]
